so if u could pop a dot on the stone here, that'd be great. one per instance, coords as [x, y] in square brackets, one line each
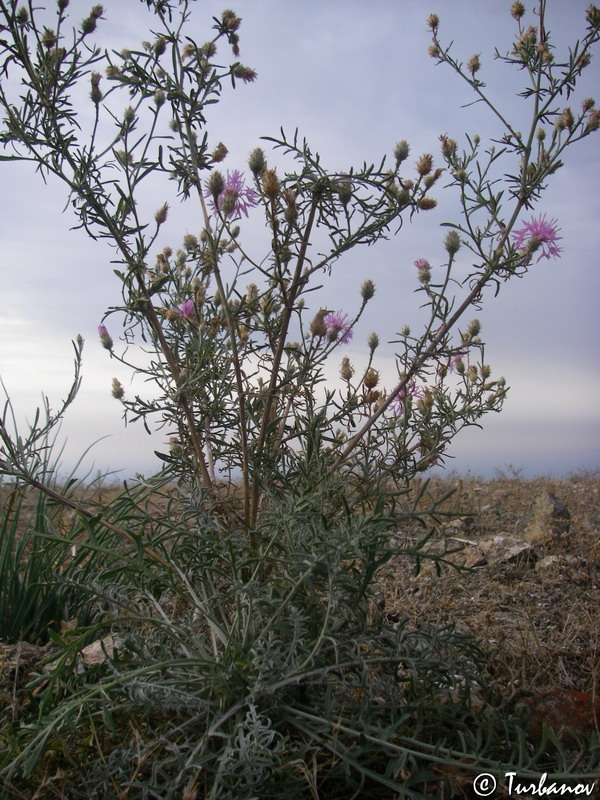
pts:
[550, 523]
[506, 549]
[561, 561]
[99, 651]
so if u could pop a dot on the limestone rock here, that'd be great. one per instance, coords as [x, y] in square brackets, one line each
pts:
[561, 561]
[99, 651]
[506, 549]
[499, 549]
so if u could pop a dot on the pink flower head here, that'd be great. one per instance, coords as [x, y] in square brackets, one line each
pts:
[539, 232]
[422, 264]
[235, 198]
[337, 323]
[187, 309]
[397, 404]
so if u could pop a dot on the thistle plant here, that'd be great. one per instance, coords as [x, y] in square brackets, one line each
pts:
[248, 600]
[237, 363]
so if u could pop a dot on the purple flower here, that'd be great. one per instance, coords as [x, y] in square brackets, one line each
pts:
[336, 324]
[187, 309]
[235, 198]
[424, 268]
[397, 404]
[539, 232]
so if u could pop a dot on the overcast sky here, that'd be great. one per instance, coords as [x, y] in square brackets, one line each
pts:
[354, 77]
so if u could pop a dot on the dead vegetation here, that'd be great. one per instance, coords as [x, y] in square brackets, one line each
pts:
[531, 600]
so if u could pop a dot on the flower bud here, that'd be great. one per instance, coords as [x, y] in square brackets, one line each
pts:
[257, 162]
[88, 25]
[584, 61]
[372, 397]
[231, 21]
[215, 184]
[474, 64]
[367, 290]
[517, 10]
[545, 53]
[401, 151]
[424, 164]
[159, 98]
[452, 242]
[105, 337]
[22, 16]
[448, 147]
[593, 16]
[159, 46]
[188, 51]
[209, 49]
[318, 326]
[371, 378]
[200, 295]
[161, 215]
[568, 119]
[271, 184]
[426, 203]
[117, 389]
[473, 328]
[228, 203]
[432, 22]
[219, 153]
[433, 178]
[346, 370]
[245, 74]
[373, 341]
[593, 121]
[190, 242]
[96, 93]
[49, 38]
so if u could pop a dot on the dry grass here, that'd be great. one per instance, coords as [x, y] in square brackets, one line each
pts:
[539, 625]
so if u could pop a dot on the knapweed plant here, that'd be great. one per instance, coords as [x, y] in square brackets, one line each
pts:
[244, 655]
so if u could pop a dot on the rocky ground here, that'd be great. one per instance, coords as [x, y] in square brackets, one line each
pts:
[528, 588]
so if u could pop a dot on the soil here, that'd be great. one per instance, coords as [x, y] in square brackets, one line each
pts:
[533, 608]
